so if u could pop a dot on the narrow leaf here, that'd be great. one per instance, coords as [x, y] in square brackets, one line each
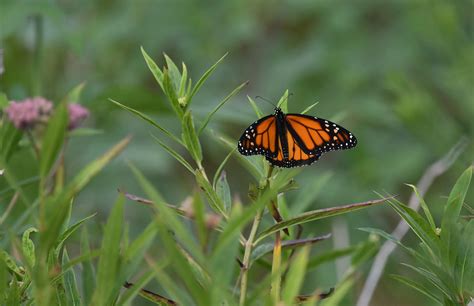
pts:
[425, 208]
[75, 94]
[53, 139]
[157, 73]
[318, 214]
[28, 246]
[295, 277]
[203, 78]
[213, 199]
[108, 266]
[417, 286]
[255, 107]
[190, 137]
[223, 191]
[224, 101]
[149, 120]
[309, 107]
[175, 154]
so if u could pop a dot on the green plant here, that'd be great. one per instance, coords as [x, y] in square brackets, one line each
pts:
[205, 261]
[445, 258]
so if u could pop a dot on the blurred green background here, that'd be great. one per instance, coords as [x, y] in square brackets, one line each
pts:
[398, 74]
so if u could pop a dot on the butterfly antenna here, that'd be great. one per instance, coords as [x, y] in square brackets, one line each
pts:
[266, 100]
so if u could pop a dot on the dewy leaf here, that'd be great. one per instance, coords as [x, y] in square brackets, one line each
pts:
[203, 78]
[318, 214]
[157, 73]
[190, 138]
[28, 246]
[53, 139]
[223, 191]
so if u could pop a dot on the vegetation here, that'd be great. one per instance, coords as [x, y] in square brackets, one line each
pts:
[180, 217]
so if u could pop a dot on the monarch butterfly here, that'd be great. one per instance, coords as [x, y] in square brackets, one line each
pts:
[293, 140]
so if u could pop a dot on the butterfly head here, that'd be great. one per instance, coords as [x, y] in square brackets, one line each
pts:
[279, 113]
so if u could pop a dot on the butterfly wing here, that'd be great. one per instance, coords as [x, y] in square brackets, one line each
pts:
[260, 138]
[317, 136]
[296, 156]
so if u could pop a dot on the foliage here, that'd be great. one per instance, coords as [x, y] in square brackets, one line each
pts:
[445, 258]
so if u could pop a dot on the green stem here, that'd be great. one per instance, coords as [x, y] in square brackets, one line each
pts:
[250, 241]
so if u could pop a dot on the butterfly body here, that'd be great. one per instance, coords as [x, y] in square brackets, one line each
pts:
[293, 140]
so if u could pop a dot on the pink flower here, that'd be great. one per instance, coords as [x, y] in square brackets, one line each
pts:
[77, 114]
[29, 112]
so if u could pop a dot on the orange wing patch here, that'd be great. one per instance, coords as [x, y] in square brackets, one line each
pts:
[259, 138]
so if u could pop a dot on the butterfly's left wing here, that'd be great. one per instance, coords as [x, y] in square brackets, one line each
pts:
[316, 135]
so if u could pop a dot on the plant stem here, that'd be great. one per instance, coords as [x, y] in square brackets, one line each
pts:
[250, 241]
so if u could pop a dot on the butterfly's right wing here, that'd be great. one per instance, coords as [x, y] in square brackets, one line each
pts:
[261, 138]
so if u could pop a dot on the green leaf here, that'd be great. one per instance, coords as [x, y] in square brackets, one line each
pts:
[80, 132]
[255, 107]
[419, 225]
[149, 120]
[456, 198]
[417, 286]
[329, 256]
[70, 231]
[70, 284]
[10, 263]
[157, 73]
[190, 137]
[309, 107]
[174, 73]
[209, 116]
[223, 191]
[295, 277]
[171, 93]
[168, 225]
[203, 78]
[213, 199]
[74, 95]
[4, 280]
[28, 246]
[88, 273]
[318, 214]
[9, 138]
[425, 208]
[184, 79]
[220, 168]
[53, 139]
[175, 154]
[267, 248]
[134, 290]
[109, 261]
[283, 103]
[3, 101]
